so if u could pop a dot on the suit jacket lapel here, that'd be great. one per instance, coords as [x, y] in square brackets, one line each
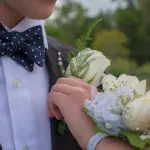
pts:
[51, 56]
[67, 141]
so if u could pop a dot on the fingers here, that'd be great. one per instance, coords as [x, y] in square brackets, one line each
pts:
[78, 79]
[68, 91]
[73, 82]
[62, 88]
[90, 90]
[55, 111]
[94, 92]
[54, 101]
[50, 114]
[71, 92]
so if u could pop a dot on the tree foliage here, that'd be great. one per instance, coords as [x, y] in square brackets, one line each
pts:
[121, 66]
[111, 43]
[123, 35]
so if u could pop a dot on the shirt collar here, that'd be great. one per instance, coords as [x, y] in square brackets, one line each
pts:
[27, 23]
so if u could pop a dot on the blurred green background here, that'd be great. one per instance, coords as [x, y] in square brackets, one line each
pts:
[123, 35]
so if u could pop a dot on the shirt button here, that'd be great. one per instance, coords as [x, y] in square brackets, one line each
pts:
[25, 148]
[17, 83]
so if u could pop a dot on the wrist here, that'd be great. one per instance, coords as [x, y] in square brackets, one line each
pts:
[95, 140]
[81, 127]
[85, 139]
[116, 143]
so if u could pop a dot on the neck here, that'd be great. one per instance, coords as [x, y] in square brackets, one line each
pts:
[8, 16]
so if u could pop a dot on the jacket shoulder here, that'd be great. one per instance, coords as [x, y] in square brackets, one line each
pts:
[58, 46]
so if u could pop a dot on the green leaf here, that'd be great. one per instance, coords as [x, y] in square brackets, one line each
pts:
[134, 139]
[98, 129]
[61, 71]
[101, 90]
[70, 55]
[82, 42]
[85, 109]
[62, 127]
[91, 80]
[92, 27]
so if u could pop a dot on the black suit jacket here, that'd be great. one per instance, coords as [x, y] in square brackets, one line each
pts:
[66, 141]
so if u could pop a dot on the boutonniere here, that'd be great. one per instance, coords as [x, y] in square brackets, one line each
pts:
[88, 65]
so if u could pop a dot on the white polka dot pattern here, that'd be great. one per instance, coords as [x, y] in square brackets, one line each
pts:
[25, 48]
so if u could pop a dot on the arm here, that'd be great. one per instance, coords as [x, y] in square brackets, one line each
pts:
[67, 98]
[83, 132]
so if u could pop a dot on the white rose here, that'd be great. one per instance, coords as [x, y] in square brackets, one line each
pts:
[128, 80]
[136, 114]
[88, 65]
[111, 83]
[133, 82]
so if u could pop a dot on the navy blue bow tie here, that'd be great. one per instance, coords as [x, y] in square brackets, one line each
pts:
[25, 48]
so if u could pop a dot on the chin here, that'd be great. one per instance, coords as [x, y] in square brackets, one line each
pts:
[45, 16]
[41, 16]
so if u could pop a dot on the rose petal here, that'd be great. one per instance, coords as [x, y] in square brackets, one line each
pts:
[127, 80]
[140, 88]
[110, 83]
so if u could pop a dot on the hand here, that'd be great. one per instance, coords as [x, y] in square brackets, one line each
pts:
[66, 99]
[69, 88]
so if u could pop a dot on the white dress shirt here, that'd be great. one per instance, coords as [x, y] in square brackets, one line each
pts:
[24, 122]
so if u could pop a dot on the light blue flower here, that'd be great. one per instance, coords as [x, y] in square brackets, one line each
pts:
[106, 111]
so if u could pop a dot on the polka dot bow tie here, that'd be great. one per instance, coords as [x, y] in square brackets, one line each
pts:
[25, 48]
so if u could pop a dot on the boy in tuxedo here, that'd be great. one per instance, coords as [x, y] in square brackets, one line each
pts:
[28, 72]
